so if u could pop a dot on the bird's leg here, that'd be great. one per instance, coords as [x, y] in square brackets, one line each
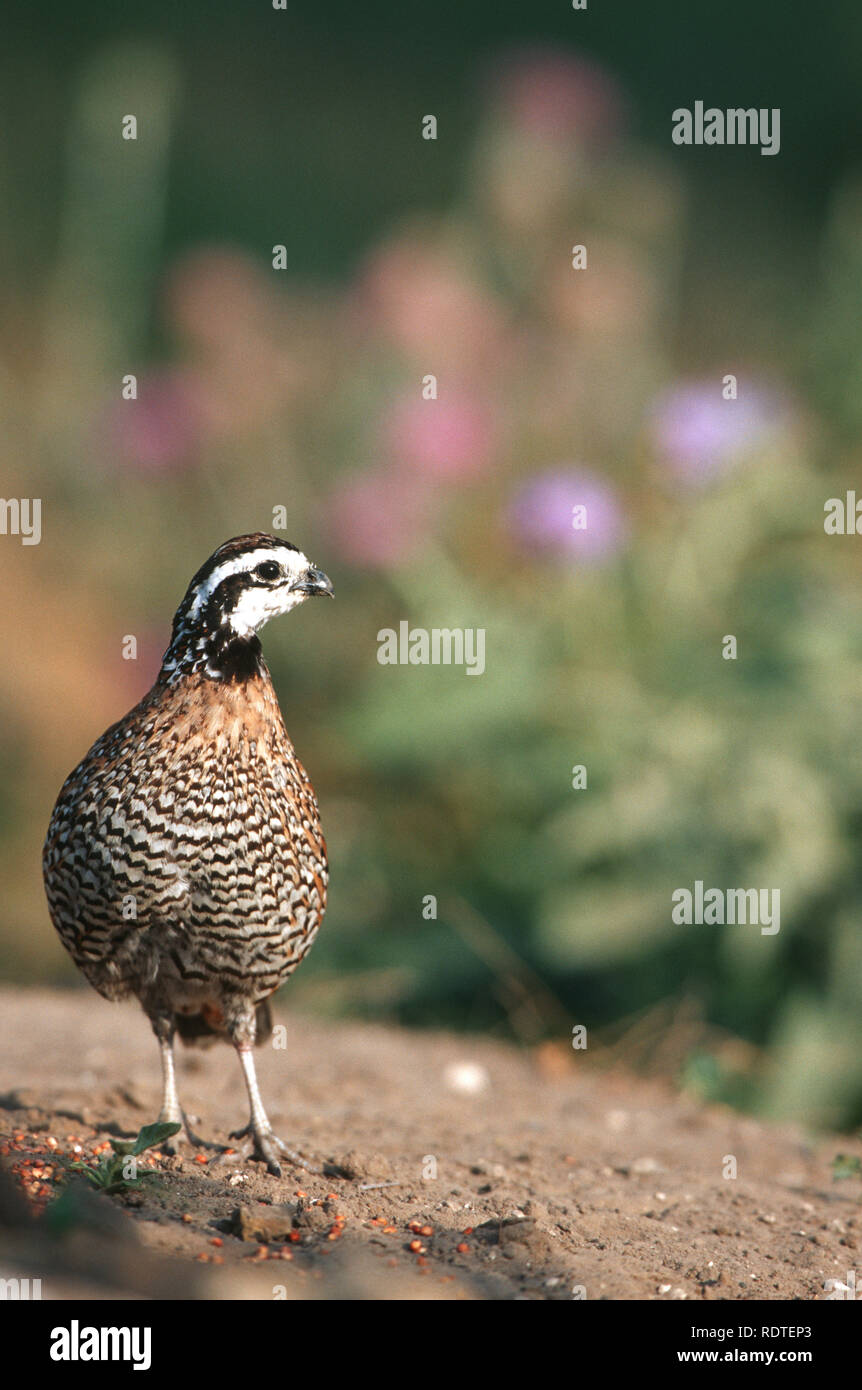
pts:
[171, 1111]
[267, 1145]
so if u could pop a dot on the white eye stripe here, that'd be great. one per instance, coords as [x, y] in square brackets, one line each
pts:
[292, 561]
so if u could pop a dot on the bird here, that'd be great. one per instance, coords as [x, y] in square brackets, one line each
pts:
[184, 862]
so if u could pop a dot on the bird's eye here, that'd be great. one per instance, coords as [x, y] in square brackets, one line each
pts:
[268, 569]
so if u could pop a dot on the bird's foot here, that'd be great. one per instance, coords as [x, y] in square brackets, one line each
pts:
[171, 1146]
[267, 1148]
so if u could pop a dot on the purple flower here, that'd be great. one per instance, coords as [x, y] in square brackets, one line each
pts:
[699, 435]
[570, 511]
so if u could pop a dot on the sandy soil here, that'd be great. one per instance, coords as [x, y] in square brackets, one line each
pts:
[555, 1179]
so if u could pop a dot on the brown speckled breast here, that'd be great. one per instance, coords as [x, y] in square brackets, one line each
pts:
[184, 860]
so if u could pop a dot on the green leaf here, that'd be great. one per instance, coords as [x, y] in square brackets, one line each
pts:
[123, 1147]
[147, 1138]
[846, 1166]
[152, 1135]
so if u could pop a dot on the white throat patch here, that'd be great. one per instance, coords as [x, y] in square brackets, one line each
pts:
[256, 606]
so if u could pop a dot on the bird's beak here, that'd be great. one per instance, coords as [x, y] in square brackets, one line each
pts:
[314, 581]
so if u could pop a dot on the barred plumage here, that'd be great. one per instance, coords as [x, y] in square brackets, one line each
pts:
[184, 861]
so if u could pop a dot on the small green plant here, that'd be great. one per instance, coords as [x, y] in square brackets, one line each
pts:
[114, 1172]
[846, 1166]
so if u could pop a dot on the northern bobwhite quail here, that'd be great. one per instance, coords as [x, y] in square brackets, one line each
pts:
[184, 862]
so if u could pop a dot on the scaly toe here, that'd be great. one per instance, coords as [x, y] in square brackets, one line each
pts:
[295, 1157]
[266, 1149]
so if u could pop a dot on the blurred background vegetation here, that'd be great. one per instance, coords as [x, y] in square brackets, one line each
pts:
[302, 388]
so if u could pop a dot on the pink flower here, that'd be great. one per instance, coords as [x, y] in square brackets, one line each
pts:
[431, 306]
[449, 438]
[379, 519]
[159, 431]
[216, 295]
[553, 94]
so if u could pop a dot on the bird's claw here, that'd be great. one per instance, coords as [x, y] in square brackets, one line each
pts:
[266, 1147]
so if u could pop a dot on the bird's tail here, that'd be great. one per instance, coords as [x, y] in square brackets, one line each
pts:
[202, 1030]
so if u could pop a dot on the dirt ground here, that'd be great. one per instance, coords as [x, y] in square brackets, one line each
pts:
[453, 1168]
